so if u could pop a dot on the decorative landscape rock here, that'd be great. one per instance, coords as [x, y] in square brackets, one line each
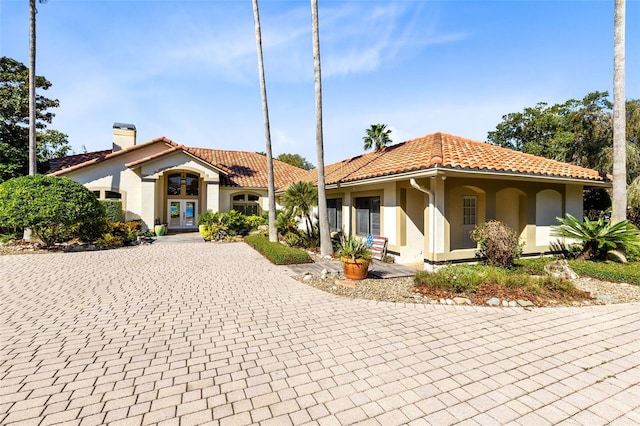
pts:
[402, 290]
[561, 269]
[494, 301]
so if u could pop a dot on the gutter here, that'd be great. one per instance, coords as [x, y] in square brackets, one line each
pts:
[432, 213]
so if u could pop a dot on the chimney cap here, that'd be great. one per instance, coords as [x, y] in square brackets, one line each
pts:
[124, 126]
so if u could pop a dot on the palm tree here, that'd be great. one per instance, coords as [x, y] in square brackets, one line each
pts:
[377, 136]
[300, 197]
[33, 160]
[326, 248]
[619, 202]
[273, 232]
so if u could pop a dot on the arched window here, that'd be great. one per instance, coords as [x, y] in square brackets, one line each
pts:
[183, 184]
[247, 204]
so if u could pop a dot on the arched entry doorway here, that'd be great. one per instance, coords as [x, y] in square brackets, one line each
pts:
[183, 192]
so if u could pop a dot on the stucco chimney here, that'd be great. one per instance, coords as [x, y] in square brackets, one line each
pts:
[124, 136]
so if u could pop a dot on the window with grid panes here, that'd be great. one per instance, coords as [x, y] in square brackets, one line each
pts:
[469, 210]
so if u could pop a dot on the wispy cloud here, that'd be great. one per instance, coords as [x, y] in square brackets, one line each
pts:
[225, 47]
[384, 34]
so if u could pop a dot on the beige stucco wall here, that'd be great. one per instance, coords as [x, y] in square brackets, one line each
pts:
[144, 188]
[408, 214]
[114, 176]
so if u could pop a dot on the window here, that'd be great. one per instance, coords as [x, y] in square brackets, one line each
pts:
[469, 210]
[368, 216]
[105, 194]
[173, 184]
[112, 195]
[334, 211]
[192, 184]
[247, 204]
[183, 184]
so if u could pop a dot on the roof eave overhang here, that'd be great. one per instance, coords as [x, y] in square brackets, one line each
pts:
[136, 164]
[505, 175]
[481, 174]
[424, 173]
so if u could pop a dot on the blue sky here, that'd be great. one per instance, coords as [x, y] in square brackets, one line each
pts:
[187, 70]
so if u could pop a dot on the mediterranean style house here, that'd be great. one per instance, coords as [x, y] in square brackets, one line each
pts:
[424, 195]
[161, 181]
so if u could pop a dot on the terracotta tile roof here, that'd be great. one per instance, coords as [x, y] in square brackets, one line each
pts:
[247, 169]
[446, 151]
[239, 168]
[57, 164]
[64, 165]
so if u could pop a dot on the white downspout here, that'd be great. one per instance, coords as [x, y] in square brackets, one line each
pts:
[432, 216]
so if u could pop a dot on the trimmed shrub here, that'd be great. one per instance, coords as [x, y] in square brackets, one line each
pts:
[277, 253]
[113, 210]
[208, 218]
[214, 232]
[109, 240]
[235, 222]
[254, 221]
[498, 245]
[53, 207]
[128, 232]
[231, 222]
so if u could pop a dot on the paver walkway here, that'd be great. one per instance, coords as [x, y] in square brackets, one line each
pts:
[185, 332]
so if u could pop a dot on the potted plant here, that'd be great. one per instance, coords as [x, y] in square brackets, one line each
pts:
[355, 255]
[159, 228]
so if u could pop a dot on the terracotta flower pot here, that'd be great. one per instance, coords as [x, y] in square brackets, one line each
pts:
[355, 269]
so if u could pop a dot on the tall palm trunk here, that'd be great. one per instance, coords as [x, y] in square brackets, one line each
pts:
[326, 249]
[32, 88]
[273, 232]
[619, 208]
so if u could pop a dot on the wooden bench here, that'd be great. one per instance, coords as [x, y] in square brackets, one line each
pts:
[379, 247]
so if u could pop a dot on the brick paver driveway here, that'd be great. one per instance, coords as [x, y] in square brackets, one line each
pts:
[186, 332]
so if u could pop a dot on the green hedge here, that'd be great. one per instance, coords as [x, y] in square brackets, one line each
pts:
[114, 211]
[277, 253]
[55, 208]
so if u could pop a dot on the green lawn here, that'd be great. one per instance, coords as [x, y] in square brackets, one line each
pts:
[607, 271]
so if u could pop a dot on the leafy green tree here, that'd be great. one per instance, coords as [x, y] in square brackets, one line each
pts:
[51, 144]
[14, 117]
[377, 137]
[295, 160]
[53, 207]
[577, 131]
[300, 197]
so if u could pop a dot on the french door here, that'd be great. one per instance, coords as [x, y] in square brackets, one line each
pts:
[183, 214]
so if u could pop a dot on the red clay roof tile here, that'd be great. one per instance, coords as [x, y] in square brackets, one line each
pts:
[447, 151]
[247, 169]
[242, 168]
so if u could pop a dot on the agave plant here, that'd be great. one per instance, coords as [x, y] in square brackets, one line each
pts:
[353, 248]
[600, 238]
